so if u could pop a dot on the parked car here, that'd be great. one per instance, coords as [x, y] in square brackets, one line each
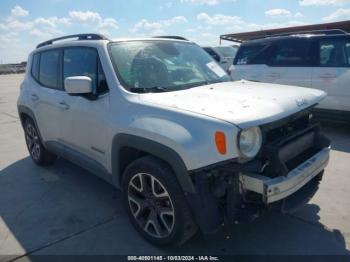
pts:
[224, 55]
[160, 120]
[7, 69]
[20, 69]
[318, 60]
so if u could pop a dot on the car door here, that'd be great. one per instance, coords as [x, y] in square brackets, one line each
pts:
[290, 63]
[331, 73]
[85, 122]
[342, 91]
[46, 95]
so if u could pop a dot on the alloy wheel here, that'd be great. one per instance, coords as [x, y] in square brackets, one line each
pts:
[151, 205]
[33, 142]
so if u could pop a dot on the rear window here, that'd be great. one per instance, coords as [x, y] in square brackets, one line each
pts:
[251, 54]
[49, 62]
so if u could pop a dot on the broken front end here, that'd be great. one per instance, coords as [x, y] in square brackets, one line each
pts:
[284, 175]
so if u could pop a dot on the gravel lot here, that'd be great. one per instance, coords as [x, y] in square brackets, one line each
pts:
[65, 210]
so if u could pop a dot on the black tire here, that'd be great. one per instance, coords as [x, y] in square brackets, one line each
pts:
[174, 227]
[319, 177]
[37, 151]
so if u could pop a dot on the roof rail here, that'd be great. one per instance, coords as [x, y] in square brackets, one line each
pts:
[171, 37]
[321, 32]
[78, 36]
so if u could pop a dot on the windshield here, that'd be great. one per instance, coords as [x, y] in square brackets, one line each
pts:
[227, 51]
[150, 66]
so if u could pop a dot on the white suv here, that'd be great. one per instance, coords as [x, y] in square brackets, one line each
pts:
[319, 60]
[159, 119]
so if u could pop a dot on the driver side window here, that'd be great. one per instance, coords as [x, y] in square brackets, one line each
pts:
[84, 61]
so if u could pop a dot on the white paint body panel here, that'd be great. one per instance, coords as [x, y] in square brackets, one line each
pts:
[334, 81]
[241, 103]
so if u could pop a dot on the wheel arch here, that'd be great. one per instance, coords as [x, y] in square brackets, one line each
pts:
[126, 148]
[24, 113]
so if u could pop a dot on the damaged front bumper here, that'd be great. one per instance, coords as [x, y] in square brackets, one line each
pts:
[284, 177]
[278, 188]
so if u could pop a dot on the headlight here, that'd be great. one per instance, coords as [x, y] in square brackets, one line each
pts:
[249, 142]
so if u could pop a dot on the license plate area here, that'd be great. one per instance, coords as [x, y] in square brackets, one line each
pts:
[287, 153]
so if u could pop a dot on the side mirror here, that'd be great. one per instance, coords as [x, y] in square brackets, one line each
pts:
[78, 85]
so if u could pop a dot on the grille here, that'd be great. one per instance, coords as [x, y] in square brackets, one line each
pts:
[285, 129]
[287, 143]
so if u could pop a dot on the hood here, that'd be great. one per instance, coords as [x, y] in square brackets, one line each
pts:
[241, 103]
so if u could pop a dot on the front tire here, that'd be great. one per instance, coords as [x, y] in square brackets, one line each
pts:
[37, 151]
[156, 204]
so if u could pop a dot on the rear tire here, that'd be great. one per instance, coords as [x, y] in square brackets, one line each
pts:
[156, 204]
[39, 154]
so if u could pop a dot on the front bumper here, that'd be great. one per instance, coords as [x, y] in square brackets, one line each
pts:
[284, 176]
[278, 188]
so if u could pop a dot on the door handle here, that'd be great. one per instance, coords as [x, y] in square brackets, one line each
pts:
[274, 75]
[328, 75]
[35, 97]
[64, 105]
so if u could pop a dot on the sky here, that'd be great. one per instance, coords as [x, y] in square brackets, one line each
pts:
[25, 23]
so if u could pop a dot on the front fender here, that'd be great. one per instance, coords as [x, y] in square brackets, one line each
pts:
[154, 148]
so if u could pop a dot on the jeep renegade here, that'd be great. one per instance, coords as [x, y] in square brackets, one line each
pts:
[159, 119]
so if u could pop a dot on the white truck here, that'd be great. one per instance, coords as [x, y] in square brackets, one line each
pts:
[159, 119]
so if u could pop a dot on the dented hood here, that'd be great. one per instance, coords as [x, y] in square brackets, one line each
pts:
[242, 103]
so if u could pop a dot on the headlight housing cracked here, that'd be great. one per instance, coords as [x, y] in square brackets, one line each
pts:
[249, 142]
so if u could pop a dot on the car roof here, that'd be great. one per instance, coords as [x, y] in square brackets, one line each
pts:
[165, 39]
[295, 36]
[93, 39]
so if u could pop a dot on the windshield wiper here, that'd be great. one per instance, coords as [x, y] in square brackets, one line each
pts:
[217, 81]
[149, 89]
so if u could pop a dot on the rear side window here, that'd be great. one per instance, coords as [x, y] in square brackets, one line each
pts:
[49, 68]
[327, 54]
[291, 52]
[347, 50]
[333, 53]
[35, 66]
[252, 54]
[83, 61]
